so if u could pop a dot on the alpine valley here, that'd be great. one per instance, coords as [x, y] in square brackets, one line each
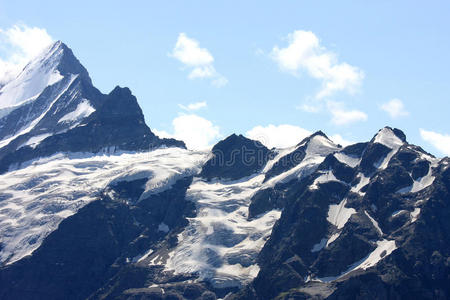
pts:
[94, 205]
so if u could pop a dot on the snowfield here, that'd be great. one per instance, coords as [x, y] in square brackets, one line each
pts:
[35, 199]
[220, 243]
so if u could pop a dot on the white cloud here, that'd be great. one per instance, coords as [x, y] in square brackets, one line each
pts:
[202, 72]
[220, 81]
[193, 106]
[18, 45]
[439, 141]
[341, 116]
[188, 51]
[280, 136]
[304, 52]
[338, 139]
[310, 108]
[198, 60]
[395, 108]
[198, 133]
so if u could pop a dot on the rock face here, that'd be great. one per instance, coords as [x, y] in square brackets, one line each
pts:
[234, 158]
[102, 214]
[361, 226]
[66, 113]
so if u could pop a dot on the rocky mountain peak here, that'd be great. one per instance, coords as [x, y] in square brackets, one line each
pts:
[235, 157]
[56, 63]
[390, 137]
[52, 106]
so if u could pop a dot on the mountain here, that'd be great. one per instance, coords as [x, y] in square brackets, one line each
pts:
[370, 223]
[52, 106]
[98, 207]
[234, 158]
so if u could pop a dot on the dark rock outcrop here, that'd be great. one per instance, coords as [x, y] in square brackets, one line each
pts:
[234, 158]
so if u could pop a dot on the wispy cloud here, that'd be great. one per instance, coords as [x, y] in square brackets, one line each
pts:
[198, 60]
[342, 116]
[279, 136]
[438, 140]
[305, 53]
[18, 45]
[395, 108]
[338, 139]
[198, 133]
[310, 107]
[193, 106]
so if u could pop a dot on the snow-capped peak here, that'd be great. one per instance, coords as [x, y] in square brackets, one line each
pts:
[388, 138]
[37, 75]
[48, 68]
[319, 144]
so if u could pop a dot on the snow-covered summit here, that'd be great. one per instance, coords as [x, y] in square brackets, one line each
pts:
[391, 138]
[45, 70]
[52, 106]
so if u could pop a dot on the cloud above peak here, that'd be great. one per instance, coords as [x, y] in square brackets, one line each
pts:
[188, 51]
[305, 53]
[438, 140]
[197, 132]
[18, 45]
[198, 60]
[279, 136]
[395, 108]
[342, 116]
[193, 106]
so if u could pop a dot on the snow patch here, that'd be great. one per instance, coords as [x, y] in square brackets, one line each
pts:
[384, 248]
[415, 214]
[397, 213]
[140, 258]
[338, 214]
[83, 110]
[419, 184]
[374, 223]
[35, 140]
[319, 246]
[387, 138]
[324, 178]
[333, 237]
[349, 160]
[363, 181]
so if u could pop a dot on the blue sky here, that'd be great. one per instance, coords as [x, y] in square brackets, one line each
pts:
[300, 66]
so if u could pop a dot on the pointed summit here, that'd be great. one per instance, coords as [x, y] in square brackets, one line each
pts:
[315, 144]
[54, 63]
[391, 138]
[319, 133]
[52, 106]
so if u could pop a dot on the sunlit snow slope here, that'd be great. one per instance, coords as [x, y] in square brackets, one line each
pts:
[35, 199]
